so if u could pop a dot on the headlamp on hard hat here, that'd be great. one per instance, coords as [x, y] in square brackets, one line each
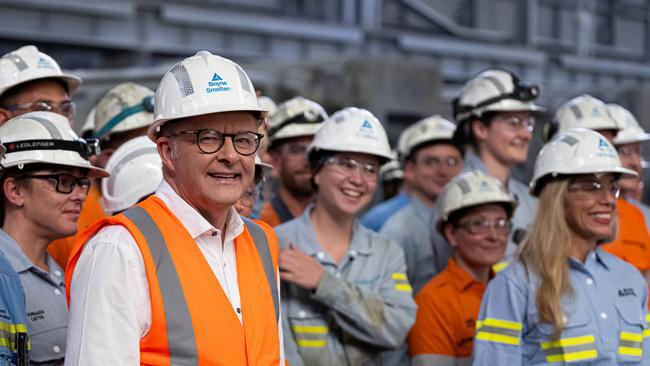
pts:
[80, 146]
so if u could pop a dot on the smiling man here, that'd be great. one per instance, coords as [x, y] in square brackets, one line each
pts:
[181, 278]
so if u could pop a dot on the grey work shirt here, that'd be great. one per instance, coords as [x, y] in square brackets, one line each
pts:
[523, 215]
[410, 227]
[47, 310]
[362, 306]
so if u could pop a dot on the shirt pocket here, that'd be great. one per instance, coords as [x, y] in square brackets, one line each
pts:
[575, 346]
[630, 337]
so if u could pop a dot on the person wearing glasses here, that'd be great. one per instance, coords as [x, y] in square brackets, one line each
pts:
[33, 81]
[495, 113]
[632, 240]
[181, 278]
[564, 300]
[291, 129]
[430, 160]
[45, 178]
[475, 219]
[347, 297]
[246, 203]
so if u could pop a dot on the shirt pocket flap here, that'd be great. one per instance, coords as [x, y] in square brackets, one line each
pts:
[631, 312]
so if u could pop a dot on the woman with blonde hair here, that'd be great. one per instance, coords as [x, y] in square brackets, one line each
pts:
[565, 300]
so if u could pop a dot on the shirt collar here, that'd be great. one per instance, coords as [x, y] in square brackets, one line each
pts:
[461, 278]
[593, 258]
[195, 224]
[14, 253]
[473, 162]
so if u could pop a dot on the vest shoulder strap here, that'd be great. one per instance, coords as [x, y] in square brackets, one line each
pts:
[261, 243]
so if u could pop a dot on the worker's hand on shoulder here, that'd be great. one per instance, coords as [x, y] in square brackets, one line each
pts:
[299, 268]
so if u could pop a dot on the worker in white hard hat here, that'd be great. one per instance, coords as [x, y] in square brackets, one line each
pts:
[629, 143]
[45, 178]
[430, 159]
[123, 113]
[391, 175]
[32, 81]
[496, 114]
[475, 219]
[181, 278]
[247, 202]
[632, 242]
[347, 296]
[291, 129]
[564, 300]
[136, 173]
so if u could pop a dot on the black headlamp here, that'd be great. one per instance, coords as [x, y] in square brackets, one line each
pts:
[83, 148]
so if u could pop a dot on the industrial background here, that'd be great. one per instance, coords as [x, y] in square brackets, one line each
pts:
[401, 59]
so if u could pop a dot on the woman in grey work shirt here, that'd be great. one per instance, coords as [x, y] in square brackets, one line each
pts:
[346, 294]
[44, 175]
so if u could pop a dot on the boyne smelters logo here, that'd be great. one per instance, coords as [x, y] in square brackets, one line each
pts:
[217, 84]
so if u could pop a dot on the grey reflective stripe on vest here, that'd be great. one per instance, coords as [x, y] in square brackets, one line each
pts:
[259, 237]
[180, 333]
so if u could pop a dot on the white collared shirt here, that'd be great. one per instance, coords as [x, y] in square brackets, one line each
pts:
[110, 308]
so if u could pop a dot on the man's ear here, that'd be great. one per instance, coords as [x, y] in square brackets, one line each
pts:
[165, 150]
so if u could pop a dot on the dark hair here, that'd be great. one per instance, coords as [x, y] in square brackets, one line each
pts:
[464, 136]
[418, 147]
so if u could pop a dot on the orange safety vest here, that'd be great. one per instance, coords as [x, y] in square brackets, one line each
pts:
[92, 211]
[633, 241]
[192, 320]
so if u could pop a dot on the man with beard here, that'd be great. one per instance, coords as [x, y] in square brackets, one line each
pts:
[291, 129]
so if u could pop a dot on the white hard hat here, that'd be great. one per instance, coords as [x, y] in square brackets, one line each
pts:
[471, 189]
[585, 111]
[434, 128]
[44, 138]
[294, 118]
[261, 169]
[391, 170]
[495, 90]
[202, 84]
[576, 151]
[28, 64]
[630, 130]
[267, 104]
[136, 172]
[125, 107]
[352, 130]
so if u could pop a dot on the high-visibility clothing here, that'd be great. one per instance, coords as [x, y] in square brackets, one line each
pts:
[444, 328]
[633, 241]
[92, 211]
[192, 320]
[13, 329]
[605, 318]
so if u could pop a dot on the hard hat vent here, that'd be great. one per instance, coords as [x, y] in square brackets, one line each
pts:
[183, 80]
[243, 79]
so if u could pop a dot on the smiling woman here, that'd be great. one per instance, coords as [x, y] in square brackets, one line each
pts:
[565, 299]
[45, 179]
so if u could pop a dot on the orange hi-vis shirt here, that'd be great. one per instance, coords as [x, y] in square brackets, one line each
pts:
[633, 241]
[92, 211]
[192, 321]
[445, 324]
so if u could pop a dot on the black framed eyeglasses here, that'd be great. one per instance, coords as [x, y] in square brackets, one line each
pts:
[210, 140]
[66, 108]
[62, 183]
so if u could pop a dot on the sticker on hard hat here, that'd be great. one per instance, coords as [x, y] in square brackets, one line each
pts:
[217, 84]
[44, 64]
[605, 150]
[367, 131]
[595, 112]
[485, 187]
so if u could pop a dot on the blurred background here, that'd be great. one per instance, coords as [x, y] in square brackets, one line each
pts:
[401, 59]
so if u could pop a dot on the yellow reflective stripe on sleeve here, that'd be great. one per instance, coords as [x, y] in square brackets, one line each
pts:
[567, 342]
[312, 343]
[497, 338]
[13, 328]
[573, 356]
[312, 329]
[399, 276]
[500, 266]
[646, 333]
[499, 331]
[506, 324]
[403, 287]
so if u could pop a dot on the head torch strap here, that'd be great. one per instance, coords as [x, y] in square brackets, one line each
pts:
[78, 146]
[145, 106]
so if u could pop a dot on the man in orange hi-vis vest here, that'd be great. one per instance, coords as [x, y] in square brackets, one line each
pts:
[181, 278]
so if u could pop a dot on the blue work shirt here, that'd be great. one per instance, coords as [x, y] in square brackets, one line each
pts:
[47, 309]
[13, 330]
[605, 318]
[375, 218]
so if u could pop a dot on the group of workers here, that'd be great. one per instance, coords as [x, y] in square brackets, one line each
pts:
[132, 244]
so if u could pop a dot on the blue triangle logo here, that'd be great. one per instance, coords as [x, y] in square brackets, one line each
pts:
[602, 143]
[366, 124]
[216, 77]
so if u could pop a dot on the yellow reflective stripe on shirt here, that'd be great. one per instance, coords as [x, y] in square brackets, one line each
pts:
[403, 287]
[312, 343]
[630, 344]
[311, 329]
[399, 276]
[402, 282]
[13, 328]
[498, 331]
[500, 266]
[570, 349]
